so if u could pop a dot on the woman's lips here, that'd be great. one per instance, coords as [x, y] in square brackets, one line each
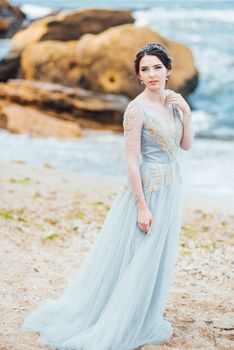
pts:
[153, 81]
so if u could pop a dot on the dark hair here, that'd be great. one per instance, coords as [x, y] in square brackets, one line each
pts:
[154, 49]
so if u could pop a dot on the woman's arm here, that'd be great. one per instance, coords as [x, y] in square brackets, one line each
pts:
[188, 131]
[133, 120]
[185, 115]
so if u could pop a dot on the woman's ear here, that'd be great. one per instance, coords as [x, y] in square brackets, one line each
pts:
[168, 72]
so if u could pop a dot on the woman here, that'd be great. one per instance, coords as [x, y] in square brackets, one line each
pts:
[117, 298]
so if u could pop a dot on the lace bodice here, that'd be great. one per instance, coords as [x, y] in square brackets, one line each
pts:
[149, 140]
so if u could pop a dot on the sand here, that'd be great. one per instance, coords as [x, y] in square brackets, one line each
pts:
[48, 222]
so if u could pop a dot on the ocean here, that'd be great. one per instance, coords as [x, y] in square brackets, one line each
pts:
[206, 27]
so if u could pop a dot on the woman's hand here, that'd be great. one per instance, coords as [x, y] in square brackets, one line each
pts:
[177, 98]
[145, 219]
[188, 132]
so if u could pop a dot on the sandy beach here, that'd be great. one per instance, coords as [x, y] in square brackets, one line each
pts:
[49, 219]
[67, 74]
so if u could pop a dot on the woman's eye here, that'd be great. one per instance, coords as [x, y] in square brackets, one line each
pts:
[143, 69]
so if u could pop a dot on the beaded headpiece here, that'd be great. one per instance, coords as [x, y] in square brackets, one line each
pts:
[154, 46]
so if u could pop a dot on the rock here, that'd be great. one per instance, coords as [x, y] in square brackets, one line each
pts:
[53, 61]
[70, 26]
[9, 66]
[11, 18]
[105, 62]
[66, 102]
[28, 120]
[61, 27]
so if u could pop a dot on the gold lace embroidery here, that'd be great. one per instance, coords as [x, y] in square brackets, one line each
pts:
[128, 118]
[125, 187]
[156, 177]
[145, 181]
[167, 140]
[153, 181]
[158, 173]
[167, 173]
[157, 133]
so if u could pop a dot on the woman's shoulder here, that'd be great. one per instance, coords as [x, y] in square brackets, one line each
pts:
[133, 104]
[132, 112]
[133, 115]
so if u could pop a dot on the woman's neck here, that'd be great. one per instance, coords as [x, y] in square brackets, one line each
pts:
[153, 97]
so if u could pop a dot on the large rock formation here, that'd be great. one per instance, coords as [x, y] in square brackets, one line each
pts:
[107, 59]
[53, 61]
[31, 121]
[9, 66]
[65, 26]
[70, 26]
[90, 109]
[11, 18]
[105, 62]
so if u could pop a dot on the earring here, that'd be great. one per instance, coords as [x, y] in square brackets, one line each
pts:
[166, 78]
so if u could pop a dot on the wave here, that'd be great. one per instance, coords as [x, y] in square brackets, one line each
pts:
[224, 15]
[34, 11]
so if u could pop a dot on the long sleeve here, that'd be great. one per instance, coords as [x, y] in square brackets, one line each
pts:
[133, 121]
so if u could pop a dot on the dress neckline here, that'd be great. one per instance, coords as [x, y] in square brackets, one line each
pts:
[163, 125]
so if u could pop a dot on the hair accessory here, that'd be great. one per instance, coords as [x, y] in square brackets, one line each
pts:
[154, 46]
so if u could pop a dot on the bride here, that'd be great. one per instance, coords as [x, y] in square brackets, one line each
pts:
[116, 299]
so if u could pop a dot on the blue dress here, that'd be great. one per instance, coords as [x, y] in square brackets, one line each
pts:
[117, 297]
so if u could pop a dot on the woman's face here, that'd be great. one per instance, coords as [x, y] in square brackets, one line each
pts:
[153, 72]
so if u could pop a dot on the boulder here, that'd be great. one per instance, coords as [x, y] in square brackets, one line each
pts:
[11, 18]
[74, 104]
[105, 62]
[9, 66]
[28, 120]
[70, 26]
[53, 61]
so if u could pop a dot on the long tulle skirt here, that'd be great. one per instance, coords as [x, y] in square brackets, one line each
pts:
[117, 297]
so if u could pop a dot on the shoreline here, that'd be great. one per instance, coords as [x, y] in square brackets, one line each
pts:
[195, 196]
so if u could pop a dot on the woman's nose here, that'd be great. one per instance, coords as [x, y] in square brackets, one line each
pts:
[152, 73]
